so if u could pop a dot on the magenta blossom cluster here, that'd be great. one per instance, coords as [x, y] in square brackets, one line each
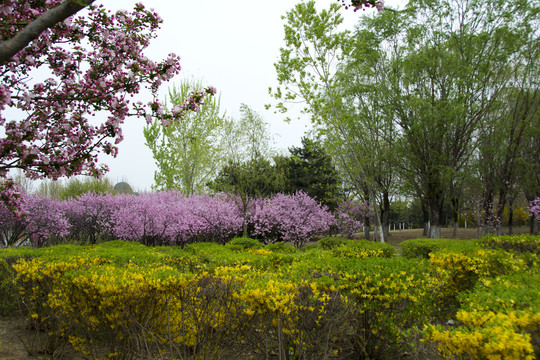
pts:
[52, 90]
[89, 216]
[45, 219]
[534, 209]
[170, 218]
[350, 217]
[162, 218]
[12, 197]
[296, 218]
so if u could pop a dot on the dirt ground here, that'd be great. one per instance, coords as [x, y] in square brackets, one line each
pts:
[16, 340]
[19, 343]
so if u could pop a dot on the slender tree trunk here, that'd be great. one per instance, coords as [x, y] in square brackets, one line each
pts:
[367, 225]
[488, 220]
[455, 216]
[377, 220]
[367, 228]
[425, 215]
[511, 217]
[500, 210]
[385, 214]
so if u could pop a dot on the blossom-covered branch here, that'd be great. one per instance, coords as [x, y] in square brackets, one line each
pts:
[11, 46]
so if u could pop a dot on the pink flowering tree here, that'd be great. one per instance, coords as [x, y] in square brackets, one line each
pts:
[534, 209]
[44, 221]
[350, 216]
[145, 218]
[170, 218]
[90, 216]
[218, 218]
[52, 88]
[296, 218]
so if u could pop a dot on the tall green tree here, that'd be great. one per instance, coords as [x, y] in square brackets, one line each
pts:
[311, 69]
[364, 136]
[189, 153]
[452, 67]
[504, 167]
[311, 170]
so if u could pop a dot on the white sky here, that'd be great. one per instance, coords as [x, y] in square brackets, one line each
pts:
[231, 45]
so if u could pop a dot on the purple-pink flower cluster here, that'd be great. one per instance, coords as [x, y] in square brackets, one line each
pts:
[170, 218]
[11, 195]
[296, 218]
[350, 217]
[534, 209]
[44, 219]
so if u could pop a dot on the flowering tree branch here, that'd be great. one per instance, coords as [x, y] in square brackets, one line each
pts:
[10, 47]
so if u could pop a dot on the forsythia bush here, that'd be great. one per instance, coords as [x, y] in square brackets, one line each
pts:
[500, 317]
[354, 300]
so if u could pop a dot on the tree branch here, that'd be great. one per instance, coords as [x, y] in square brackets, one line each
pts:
[46, 20]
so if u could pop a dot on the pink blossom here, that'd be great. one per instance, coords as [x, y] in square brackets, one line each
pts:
[296, 218]
[534, 209]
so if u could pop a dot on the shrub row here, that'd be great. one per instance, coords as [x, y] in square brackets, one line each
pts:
[350, 300]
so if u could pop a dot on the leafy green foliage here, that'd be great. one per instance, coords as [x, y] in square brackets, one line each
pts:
[310, 169]
[422, 248]
[330, 242]
[255, 178]
[243, 243]
[188, 153]
[75, 187]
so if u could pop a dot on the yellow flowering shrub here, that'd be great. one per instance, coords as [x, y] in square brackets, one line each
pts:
[210, 301]
[499, 319]
[496, 342]
[466, 268]
[513, 243]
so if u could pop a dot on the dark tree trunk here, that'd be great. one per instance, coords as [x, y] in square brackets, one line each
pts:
[385, 213]
[511, 217]
[436, 199]
[488, 222]
[30, 32]
[455, 215]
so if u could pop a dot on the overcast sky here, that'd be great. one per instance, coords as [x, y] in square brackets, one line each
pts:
[231, 45]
